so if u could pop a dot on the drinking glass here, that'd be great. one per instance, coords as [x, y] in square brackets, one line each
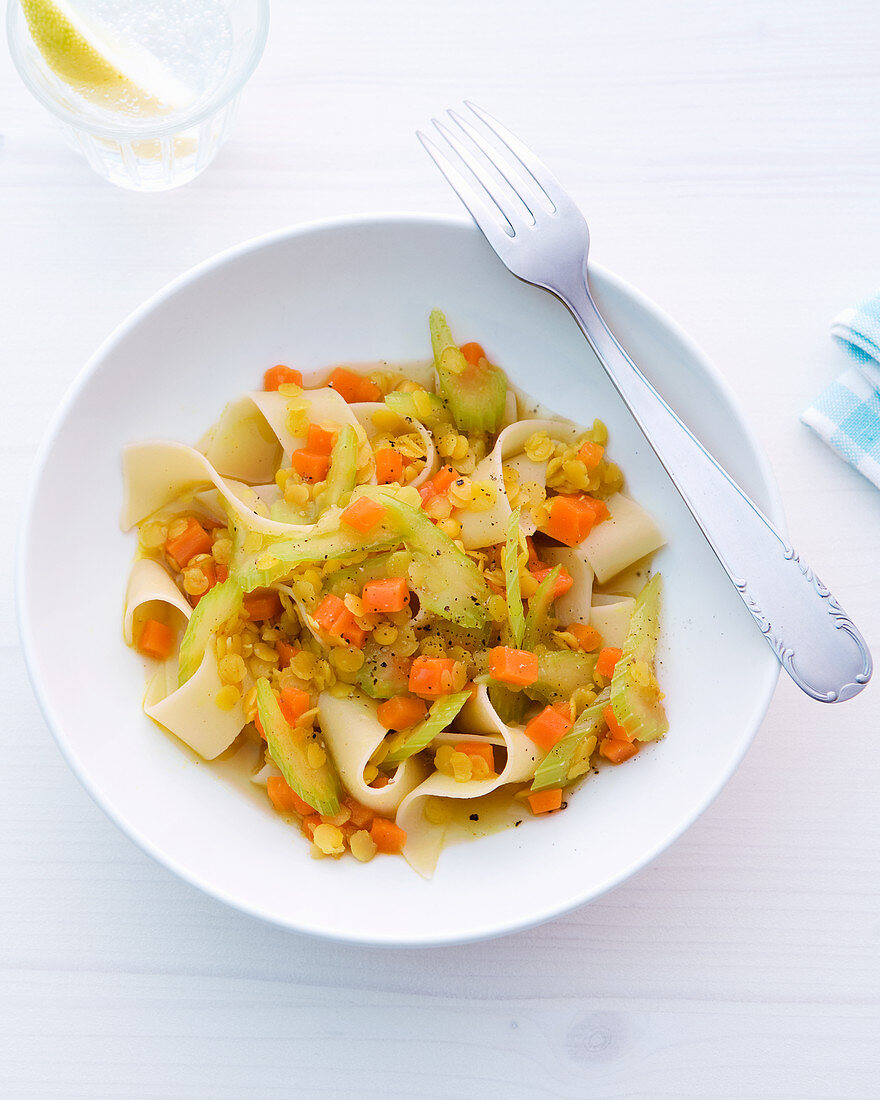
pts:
[209, 47]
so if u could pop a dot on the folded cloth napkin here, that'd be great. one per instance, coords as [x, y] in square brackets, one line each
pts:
[847, 414]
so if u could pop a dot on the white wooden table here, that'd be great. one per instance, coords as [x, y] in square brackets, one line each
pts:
[727, 158]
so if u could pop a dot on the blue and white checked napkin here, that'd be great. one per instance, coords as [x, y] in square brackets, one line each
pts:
[847, 414]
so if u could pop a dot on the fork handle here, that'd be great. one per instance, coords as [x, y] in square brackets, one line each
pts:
[813, 637]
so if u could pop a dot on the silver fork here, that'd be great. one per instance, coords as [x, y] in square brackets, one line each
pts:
[542, 237]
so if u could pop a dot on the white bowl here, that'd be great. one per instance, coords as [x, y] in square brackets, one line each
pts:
[361, 290]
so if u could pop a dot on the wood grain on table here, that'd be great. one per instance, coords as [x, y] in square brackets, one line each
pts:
[728, 161]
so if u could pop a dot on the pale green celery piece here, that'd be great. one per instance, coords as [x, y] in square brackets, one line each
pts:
[319, 787]
[353, 579]
[476, 394]
[284, 512]
[538, 625]
[553, 769]
[510, 706]
[404, 405]
[637, 705]
[510, 561]
[219, 604]
[383, 674]
[442, 712]
[342, 475]
[560, 674]
[447, 582]
[279, 557]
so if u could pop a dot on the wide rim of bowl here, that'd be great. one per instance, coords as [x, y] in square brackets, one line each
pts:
[763, 691]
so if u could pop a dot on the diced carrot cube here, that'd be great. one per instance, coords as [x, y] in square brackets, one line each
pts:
[328, 611]
[513, 666]
[589, 638]
[286, 652]
[431, 676]
[606, 661]
[363, 514]
[262, 604]
[472, 352]
[426, 492]
[259, 726]
[347, 628]
[543, 802]
[310, 467]
[194, 540]
[401, 712]
[617, 751]
[615, 730]
[381, 780]
[361, 816]
[591, 454]
[391, 594]
[389, 465]
[548, 727]
[353, 387]
[534, 561]
[568, 522]
[310, 823]
[319, 441]
[294, 703]
[209, 571]
[156, 640]
[387, 836]
[285, 799]
[443, 479]
[478, 748]
[564, 579]
[221, 572]
[279, 376]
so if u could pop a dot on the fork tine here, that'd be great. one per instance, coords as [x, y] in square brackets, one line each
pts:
[496, 186]
[537, 170]
[496, 169]
[490, 218]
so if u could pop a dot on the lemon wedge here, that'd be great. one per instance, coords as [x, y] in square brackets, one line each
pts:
[102, 67]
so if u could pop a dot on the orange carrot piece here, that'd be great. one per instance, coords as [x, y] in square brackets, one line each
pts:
[615, 730]
[567, 522]
[443, 479]
[478, 748]
[543, 802]
[548, 727]
[310, 467]
[285, 799]
[262, 604]
[156, 640]
[617, 751]
[328, 611]
[319, 441]
[591, 454]
[387, 836]
[607, 659]
[589, 638]
[431, 676]
[286, 653]
[380, 781]
[389, 465]
[563, 582]
[391, 594]
[353, 387]
[310, 823]
[294, 703]
[513, 666]
[426, 492]
[363, 514]
[259, 726]
[401, 712]
[278, 376]
[346, 627]
[534, 561]
[194, 540]
[221, 572]
[361, 816]
[473, 352]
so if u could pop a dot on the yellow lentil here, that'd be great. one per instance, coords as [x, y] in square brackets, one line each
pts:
[316, 756]
[227, 696]
[362, 846]
[232, 669]
[329, 839]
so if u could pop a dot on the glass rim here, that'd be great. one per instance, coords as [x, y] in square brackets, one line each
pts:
[183, 121]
